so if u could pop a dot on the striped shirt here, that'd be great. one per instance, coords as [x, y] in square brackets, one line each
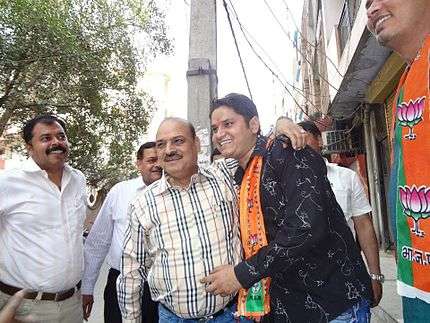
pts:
[176, 237]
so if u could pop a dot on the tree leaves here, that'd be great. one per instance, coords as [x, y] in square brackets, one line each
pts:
[81, 59]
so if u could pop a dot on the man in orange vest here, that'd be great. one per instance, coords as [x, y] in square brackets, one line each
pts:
[404, 26]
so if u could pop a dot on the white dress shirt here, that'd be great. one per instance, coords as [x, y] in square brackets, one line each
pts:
[349, 192]
[41, 228]
[108, 231]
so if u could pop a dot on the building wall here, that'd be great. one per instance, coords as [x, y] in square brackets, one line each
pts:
[315, 78]
[341, 59]
[331, 62]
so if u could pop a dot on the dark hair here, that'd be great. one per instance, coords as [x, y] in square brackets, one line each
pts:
[311, 127]
[27, 130]
[240, 104]
[192, 130]
[146, 145]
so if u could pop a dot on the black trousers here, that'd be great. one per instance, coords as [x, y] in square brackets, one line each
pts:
[112, 314]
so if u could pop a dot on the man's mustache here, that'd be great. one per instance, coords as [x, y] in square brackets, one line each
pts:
[172, 156]
[54, 148]
[156, 169]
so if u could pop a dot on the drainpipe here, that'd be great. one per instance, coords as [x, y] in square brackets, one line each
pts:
[372, 161]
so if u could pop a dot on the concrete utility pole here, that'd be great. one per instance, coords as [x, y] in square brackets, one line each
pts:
[201, 74]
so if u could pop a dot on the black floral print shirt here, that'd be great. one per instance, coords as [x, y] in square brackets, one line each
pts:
[316, 269]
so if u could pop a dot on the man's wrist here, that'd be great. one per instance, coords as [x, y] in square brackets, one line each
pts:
[87, 290]
[377, 277]
[138, 320]
[242, 275]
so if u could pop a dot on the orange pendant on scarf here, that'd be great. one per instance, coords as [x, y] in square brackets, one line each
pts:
[253, 302]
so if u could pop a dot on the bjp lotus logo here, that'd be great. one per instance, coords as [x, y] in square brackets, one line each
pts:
[410, 114]
[416, 204]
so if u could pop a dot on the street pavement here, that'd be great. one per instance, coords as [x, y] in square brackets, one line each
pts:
[388, 311]
[97, 312]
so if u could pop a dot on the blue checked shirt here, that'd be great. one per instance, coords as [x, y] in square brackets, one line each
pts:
[176, 237]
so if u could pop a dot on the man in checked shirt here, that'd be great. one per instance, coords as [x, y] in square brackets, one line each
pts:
[187, 224]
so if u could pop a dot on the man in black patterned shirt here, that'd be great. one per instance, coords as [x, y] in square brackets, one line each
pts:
[316, 269]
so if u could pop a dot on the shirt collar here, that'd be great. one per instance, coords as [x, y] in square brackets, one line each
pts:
[328, 164]
[260, 149]
[164, 184]
[140, 184]
[30, 166]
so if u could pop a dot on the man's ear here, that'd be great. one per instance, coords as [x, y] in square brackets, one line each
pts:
[138, 162]
[29, 148]
[254, 124]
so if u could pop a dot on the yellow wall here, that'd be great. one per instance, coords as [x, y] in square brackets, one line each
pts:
[386, 81]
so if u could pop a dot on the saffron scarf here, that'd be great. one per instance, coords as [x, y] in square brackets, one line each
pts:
[410, 178]
[253, 302]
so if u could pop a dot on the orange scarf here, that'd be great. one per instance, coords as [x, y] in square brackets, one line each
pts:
[253, 302]
[410, 181]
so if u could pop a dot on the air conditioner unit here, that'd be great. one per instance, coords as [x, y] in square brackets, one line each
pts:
[342, 141]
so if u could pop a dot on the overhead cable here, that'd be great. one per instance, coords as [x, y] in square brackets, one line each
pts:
[270, 69]
[237, 48]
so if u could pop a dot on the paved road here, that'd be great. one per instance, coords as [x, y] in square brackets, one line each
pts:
[390, 307]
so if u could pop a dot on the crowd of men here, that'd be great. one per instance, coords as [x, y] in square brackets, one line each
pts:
[264, 233]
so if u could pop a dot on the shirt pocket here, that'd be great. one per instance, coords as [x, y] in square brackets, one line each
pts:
[76, 212]
[224, 205]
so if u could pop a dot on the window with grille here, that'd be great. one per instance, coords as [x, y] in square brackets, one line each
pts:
[347, 19]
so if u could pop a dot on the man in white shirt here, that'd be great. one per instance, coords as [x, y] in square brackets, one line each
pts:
[351, 197]
[107, 235]
[42, 211]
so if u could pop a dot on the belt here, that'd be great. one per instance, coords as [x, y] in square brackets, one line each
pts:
[207, 318]
[215, 315]
[56, 297]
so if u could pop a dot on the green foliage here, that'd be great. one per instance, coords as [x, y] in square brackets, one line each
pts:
[81, 59]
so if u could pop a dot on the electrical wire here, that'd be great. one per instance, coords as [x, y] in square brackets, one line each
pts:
[284, 82]
[308, 42]
[261, 48]
[237, 48]
[269, 68]
[316, 47]
[292, 40]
